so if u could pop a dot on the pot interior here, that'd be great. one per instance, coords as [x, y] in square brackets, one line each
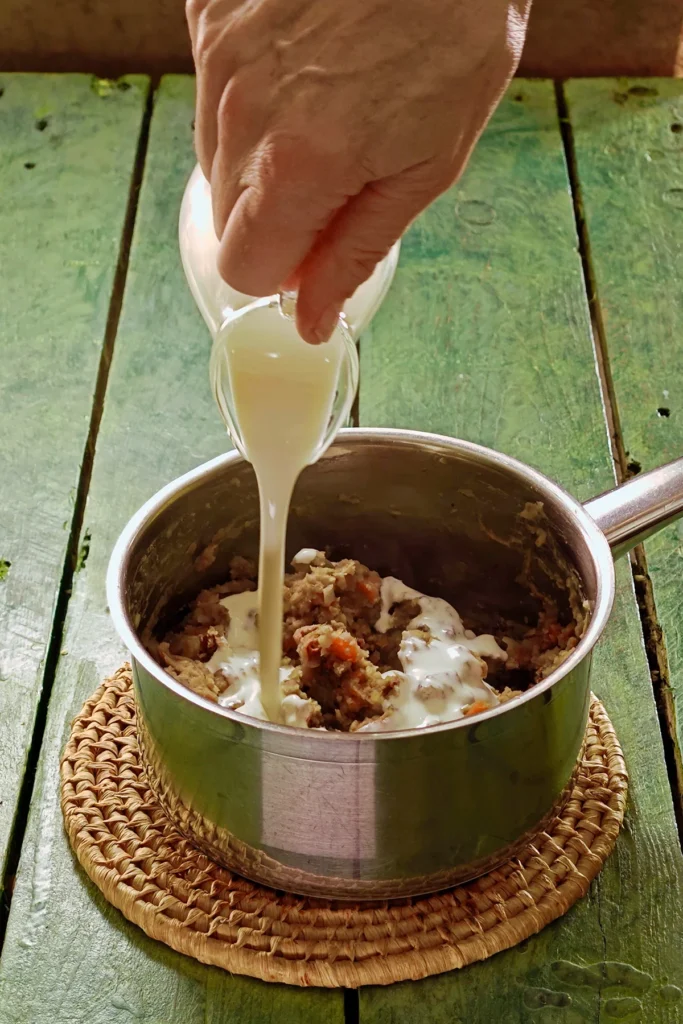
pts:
[449, 521]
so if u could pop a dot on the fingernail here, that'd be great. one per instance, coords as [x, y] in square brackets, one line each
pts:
[325, 325]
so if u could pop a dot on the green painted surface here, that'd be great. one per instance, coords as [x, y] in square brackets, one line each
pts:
[485, 335]
[66, 158]
[629, 146]
[68, 955]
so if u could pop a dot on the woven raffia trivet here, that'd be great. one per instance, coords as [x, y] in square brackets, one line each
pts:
[159, 880]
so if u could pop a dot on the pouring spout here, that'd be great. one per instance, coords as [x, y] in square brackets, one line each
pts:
[644, 505]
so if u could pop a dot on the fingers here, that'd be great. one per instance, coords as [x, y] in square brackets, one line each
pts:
[211, 28]
[241, 122]
[210, 88]
[287, 198]
[193, 12]
[359, 237]
[272, 191]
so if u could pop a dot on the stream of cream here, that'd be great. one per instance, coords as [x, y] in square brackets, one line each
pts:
[282, 391]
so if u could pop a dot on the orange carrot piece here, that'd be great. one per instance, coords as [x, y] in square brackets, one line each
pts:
[367, 590]
[476, 708]
[345, 650]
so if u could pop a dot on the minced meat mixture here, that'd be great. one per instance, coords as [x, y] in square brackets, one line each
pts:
[339, 670]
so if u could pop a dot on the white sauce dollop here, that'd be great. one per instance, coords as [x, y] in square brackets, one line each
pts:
[237, 658]
[442, 670]
[305, 557]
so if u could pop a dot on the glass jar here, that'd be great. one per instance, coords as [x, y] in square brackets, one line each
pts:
[216, 300]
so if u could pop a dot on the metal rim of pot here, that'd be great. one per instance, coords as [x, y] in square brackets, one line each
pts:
[610, 525]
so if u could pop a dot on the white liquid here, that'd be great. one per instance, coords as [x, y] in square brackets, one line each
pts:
[442, 671]
[238, 659]
[282, 392]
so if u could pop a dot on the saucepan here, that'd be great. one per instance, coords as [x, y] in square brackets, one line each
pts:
[379, 815]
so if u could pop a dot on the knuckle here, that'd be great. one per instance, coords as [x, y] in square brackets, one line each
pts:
[232, 103]
[208, 57]
[350, 267]
[193, 9]
[243, 273]
[215, 47]
[417, 184]
[286, 156]
[362, 262]
[289, 168]
[298, 155]
[440, 180]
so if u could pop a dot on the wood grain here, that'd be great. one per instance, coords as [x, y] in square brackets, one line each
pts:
[66, 158]
[485, 335]
[68, 955]
[629, 148]
[566, 37]
[603, 37]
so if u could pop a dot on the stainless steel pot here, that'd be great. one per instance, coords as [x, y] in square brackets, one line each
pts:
[386, 814]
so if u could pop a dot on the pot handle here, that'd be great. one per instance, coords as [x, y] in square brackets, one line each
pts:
[644, 505]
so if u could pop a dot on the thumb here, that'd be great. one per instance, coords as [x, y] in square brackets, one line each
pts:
[360, 235]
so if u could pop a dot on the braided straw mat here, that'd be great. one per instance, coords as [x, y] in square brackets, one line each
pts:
[160, 881]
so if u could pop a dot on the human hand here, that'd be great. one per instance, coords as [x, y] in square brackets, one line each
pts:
[325, 127]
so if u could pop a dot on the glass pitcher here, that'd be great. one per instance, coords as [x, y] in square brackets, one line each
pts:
[217, 301]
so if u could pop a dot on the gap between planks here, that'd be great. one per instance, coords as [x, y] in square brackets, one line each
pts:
[655, 646]
[354, 415]
[75, 556]
[351, 1006]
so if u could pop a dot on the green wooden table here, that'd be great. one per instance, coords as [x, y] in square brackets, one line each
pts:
[537, 308]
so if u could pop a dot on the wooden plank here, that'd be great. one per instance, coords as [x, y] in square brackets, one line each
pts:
[485, 335]
[68, 955]
[67, 151]
[629, 148]
[565, 37]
